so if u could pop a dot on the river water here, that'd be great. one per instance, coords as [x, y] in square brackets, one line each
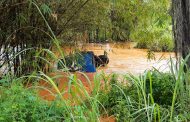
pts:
[124, 58]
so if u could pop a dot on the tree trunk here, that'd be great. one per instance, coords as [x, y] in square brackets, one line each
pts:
[181, 27]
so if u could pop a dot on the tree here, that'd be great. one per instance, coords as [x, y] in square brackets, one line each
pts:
[24, 32]
[181, 27]
[154, 25]
[22, 27]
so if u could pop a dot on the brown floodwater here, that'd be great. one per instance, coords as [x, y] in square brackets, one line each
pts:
[124, 58]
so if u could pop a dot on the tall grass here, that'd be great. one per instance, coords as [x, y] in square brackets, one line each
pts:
[151, 96]
[81, 106]
[64, 109]
[135, 99]
[132, 100]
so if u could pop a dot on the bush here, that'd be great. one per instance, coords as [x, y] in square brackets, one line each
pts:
[21, 104]
[114, 101]
[155, 40]
[166, 43]
[146, 98]
[162, 87]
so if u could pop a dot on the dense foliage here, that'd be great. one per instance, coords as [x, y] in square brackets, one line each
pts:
[22, 104]
[146, 98]
[154, 28]
[28, 27]
[152, 96]
[162, 87]
[23, 33]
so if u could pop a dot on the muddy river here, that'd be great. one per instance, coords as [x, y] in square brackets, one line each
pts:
[124, 58]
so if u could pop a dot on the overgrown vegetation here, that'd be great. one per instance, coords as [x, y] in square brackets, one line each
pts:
[23, 28]
[154, 28]
[152, 96]
[29, 30]
[22, 102]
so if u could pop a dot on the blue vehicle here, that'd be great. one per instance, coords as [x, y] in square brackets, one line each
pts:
[84, 61]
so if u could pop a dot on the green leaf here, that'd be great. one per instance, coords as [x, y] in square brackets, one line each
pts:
[45, 9]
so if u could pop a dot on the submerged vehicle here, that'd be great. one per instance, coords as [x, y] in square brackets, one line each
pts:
[85, 61]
